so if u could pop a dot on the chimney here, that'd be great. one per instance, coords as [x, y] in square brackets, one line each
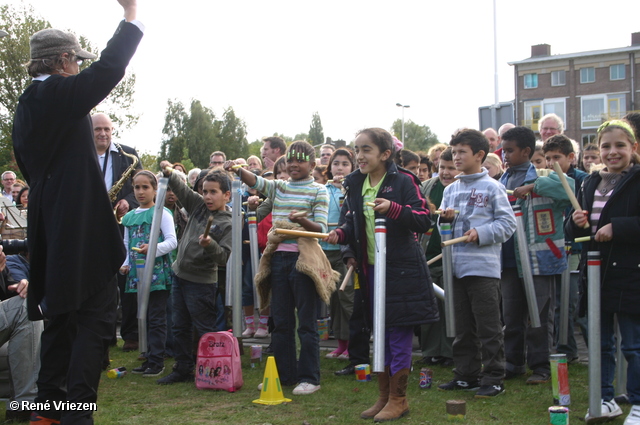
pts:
[635, 38]
[540, 50]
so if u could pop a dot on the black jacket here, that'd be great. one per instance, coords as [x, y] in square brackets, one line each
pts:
[75, 244]
[410, 299]
[620, 265]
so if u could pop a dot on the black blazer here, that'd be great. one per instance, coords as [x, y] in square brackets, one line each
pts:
[74, 242]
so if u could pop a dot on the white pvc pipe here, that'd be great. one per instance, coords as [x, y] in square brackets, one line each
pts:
[447, 279]
[379, 295]
[525, 265]
[593, 313]
[236, 262]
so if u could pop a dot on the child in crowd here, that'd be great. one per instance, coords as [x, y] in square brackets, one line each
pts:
[137, 224]
[291, 289]
[543, 201]
[196, 270]
[590, 155]
[410, 300]
[538, 159]
[408, 160]
[558, 148]
[424, 171]
[341, 305]
[486, 218]
[434, 155]
[493, 164]
[435, 345]
[610, 200]
[319, 174]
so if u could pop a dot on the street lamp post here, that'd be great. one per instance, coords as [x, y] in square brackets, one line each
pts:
[400, 105]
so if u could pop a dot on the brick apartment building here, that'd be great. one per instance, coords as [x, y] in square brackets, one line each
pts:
[585, 88]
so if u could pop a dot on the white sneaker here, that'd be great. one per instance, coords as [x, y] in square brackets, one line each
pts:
[634, 416]
[610, 410]
[305, 388]
[249, 332]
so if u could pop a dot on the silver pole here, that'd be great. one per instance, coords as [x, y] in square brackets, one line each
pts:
[144, 285]
[593, 313]
[439, 292]
[447, 279]
[565, 294]
[621, 362]
[255, 254]
[379, 295]
[527, 276]
[228, 284]
[236, 249]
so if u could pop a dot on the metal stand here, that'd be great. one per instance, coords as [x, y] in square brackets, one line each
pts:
[379, 295]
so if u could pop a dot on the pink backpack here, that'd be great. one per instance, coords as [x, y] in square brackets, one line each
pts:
[218, 366]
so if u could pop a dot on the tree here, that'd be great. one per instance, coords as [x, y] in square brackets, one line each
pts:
[416, 137]
[192, 136]
[21, 23]
[301, 136]
[316, 135]
[254, 148]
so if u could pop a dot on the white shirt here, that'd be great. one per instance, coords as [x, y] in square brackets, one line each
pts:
[108, 174]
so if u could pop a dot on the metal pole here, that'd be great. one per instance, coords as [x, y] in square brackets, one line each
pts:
[593, 313]
[255, 254]
[236, 248]
[565, 294]
[379, 295]
[403, 125]
[447, 279]
[144, 285]
[525, 265]
[439, 292]
[621, 362]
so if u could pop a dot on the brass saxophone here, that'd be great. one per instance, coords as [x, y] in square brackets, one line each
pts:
[113, 192]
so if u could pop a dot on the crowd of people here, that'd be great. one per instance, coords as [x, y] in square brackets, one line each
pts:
[469, 185]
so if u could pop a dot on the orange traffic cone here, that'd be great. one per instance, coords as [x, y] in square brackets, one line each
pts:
[271, 392]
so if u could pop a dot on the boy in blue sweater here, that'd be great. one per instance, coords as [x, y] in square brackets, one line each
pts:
[486, 218]
[543, 201]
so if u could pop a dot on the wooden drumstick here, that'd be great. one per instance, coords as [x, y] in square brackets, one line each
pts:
[247, 203]
[136, 249]
[583, 239]
[299, 214]
[440, 212]
[235, 167]
[370, 204]
[454, 241]
[346, 278]
[567, 188]
[207, 228]
[301, 233]
[434, 259]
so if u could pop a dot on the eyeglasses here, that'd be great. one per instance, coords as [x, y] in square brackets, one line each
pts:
[549, 129]
[216, 162]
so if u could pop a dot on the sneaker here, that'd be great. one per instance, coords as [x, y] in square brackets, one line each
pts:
[456, 384]
[538, 378]
[262, 332]
[333, 355]
[622, 399]
[175, 377]
[344, 355]
[140, 369]
[610, 410]
[249, 332]
[634, 416]
[305, 388]
[487, 391]
[153, 371]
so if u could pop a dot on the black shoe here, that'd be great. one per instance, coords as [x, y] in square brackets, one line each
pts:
[349, 370]
[457, 384]
[140, 369]
[268, 350]
[175, 377]
[487, 391]
[153, 371]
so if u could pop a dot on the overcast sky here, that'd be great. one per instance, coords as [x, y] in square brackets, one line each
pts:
[278, 62]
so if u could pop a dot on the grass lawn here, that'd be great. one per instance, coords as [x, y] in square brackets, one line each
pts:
[137, 400]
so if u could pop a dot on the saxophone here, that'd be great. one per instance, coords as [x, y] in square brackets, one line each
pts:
[113, 192]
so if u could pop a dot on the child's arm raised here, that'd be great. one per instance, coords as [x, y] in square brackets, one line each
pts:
[187, 197]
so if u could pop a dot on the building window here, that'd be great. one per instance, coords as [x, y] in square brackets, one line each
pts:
[530, 81]
[532, 113]
[617, 72]
[589, 138]
[597, 109]
[587, 75]
[558, 78]
[554, 106]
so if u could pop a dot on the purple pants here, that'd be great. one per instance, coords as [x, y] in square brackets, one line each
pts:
[398, 340]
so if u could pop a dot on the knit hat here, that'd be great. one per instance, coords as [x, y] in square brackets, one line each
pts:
[3, 34]
[51, 42]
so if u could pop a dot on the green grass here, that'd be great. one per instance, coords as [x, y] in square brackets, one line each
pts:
[137, 400]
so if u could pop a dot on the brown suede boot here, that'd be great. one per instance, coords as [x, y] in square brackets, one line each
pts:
[383, 388]
[397, 405]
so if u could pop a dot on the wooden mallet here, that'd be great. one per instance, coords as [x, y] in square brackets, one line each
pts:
[567, 188]
[454, 241]
[346, 278]
[207, 228]
[301, 233]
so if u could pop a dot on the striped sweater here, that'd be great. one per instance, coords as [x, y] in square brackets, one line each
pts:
[295, 195]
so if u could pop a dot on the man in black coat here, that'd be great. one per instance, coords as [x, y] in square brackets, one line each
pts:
[114, 163]
[75, 244]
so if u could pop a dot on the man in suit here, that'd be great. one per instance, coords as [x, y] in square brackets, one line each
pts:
[113, 164]
[75, 244]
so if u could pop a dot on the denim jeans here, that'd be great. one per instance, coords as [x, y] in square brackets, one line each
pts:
[630, 344]
[157, 327]
[193, 307]
[520, 338]
[291, 291]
